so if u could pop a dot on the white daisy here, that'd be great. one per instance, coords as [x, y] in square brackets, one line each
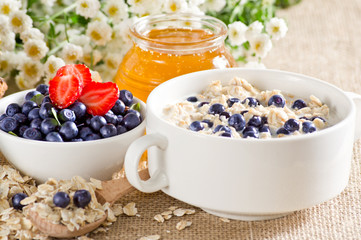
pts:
[4, 25]
[116, 10]
[173, 6]
[260, 44]
[144, 7]
[277, 28]
[9, 6]
[31, 33]
[71, 53]
[194, 9]
[52, 65]
[236, 33]
[35, 49]
[254, 28]
[99, 32]
[100, 17]
[96, 76]
[23, 82]
[213, 5]
[87, 8]
[91, 56]
[196, 2]
[31, 70]
[20, 21]
[6, 62]
[112, 60]
[7, 41]
[48, 3]
[80, 39]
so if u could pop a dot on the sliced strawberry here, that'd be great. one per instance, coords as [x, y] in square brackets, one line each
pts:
[64, 90]
[99, 98]
[80, 71]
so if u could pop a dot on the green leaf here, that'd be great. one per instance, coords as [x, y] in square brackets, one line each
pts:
[55, 115]
[12, 133]
[38, 98]
[136, 107]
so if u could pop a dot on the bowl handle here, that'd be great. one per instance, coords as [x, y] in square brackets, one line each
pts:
[158, 179]
[356, 98]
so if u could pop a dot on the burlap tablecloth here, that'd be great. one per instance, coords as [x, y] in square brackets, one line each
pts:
[323, 41]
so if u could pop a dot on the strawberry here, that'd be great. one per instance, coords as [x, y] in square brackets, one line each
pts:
[99, 98]
[68, 83]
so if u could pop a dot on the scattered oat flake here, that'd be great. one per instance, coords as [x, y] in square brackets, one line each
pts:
[97, 183]
[166, 213]
[159, 218]
[190, 211]
[151, 237]
[179, 212]
[84, 238]
[28, 200]
[172, 208]
[183, 224]
[167, 217]
[224, 220]
[130, 209]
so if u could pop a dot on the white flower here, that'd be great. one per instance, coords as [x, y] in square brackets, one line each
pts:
[213, 5]
[71, 53]
[260, 44]
[31, 33]
[173, 6]
[277, 28]
[9, 6]
[80, 39]
[7, 62]
[100, 17]
[4, 25]
[194, 9]
[112, 60]
[196, 2]
[87, 8]
[99, 32]
[255, 65]
[236, 33]
[254, 28]
[7, 41]
[145, 7]
[91, 56]
[31, 70]
[48, 3]
[116, 10]
[95, 76]
[238, 52]
[19, 21]
[52, 65]
[35, 49]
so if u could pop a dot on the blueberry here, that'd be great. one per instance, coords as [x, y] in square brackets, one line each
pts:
[118, 108]
[196, 126]
[54, 137]
[202, 104]
[32, 133]
[277, 100]
[313, 118]
[16, 199]
[244, 112]
[43, 89]
[8, 124]
[31, 94]
[108, 130]
[28, 106]
[232, 101]
[81, 198]
[264, 129]
[12, 109]
[133, 111]
[68, 130]
[255, 121]
[22, 129]
[46, 99]
[45, 110]
[20, 118]
[67, 115]
[292, 125]
[36, 123]
[34, 113]
[61, 199]
[130, 121]
[237, 121]
[252, 102]
[126, 97]
[226, 134]
[48, 125]
[250, 132]
[192, 99]
[308, 127]
[119, 118]
[216, 108]
[84, 132]
[92, 136]
[222, 128]
[121, 129]
[110, 117]
[264, 120]
[298, 104]
[77, 140]
[97, 122]
[225, 114]
[209, 122]
[79, 109]
[2, 116]
[282, 130]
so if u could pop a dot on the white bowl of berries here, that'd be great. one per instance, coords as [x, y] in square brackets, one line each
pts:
[74, 126]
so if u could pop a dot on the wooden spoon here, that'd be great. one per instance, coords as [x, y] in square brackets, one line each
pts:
[111, 192]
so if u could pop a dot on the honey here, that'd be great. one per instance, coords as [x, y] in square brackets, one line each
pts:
[167, 46]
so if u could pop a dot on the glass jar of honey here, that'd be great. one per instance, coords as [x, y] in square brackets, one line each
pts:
[169, 45]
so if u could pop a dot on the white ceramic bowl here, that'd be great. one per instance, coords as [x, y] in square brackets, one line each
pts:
[40, 159]
[247, 179]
